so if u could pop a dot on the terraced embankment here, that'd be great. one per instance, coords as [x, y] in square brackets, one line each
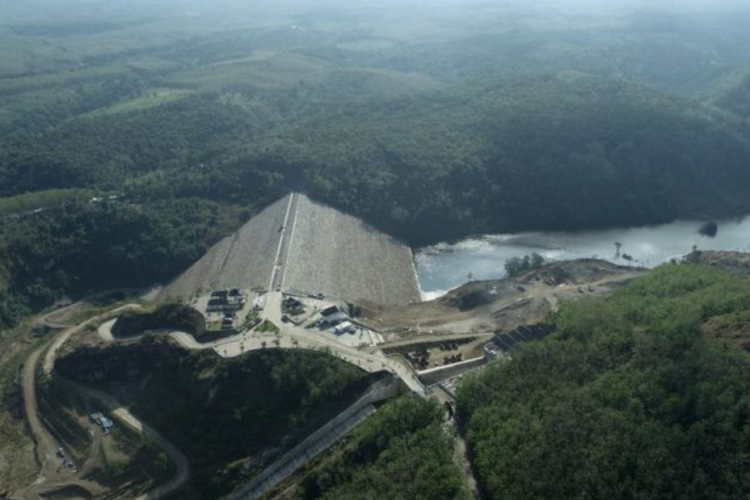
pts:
[242, 260]
[307, 248]
[341, 256]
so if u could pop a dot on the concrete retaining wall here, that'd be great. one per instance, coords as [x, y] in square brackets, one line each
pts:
[436, 375]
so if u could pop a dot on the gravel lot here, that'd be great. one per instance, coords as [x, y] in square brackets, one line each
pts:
[340, 256]
[243, 260]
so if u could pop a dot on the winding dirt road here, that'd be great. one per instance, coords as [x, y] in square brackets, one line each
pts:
[55, 477]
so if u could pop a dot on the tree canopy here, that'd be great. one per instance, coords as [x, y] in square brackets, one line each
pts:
[627, 401]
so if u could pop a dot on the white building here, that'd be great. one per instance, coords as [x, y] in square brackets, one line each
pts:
[344, 327]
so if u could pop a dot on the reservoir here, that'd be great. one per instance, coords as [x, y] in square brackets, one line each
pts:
[443, 267]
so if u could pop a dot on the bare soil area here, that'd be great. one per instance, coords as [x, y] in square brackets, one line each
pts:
[489, 306]
[432, 354]
[735, 263]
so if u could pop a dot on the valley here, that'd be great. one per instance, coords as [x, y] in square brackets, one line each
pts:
[92, 373]
[396, 250]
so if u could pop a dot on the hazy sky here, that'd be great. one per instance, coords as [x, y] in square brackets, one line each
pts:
[230, 14]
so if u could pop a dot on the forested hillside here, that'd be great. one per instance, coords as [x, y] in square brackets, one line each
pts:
[731, 93]
[628, 400]
[230, 417]
[401, 453]
[489, 118]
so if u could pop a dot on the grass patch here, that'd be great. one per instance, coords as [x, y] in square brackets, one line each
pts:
[19, 204]
[213, 326]
[267, 327]
[251, 317]
[150, 99]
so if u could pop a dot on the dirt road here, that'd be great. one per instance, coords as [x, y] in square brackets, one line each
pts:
[52, 476]
[46, 444]
[122, 414]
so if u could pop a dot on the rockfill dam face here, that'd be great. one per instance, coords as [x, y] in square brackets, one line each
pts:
[302, 247]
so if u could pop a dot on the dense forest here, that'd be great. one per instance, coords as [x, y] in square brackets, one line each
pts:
[628, 400]
[80, 247]
[401, 453]
[128, 145]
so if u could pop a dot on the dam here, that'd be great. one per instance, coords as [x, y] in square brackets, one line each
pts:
[302, 247]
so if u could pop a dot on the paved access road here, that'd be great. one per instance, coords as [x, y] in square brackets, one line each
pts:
[357, 357]
[291, 337]
[285, 243]
[122, 414]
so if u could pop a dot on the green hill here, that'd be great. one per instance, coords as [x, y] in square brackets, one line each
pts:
[506, 118]
[563, 152]
[732, 94]
[628, 400]
[566, 151]
[400, 453]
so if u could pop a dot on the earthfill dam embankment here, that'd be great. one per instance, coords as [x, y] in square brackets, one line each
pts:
[308, 248]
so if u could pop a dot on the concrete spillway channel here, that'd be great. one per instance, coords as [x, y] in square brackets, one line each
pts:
[319, 441]
[289, 464]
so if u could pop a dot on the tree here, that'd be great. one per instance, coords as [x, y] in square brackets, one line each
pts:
[625, 383]
[517, 266]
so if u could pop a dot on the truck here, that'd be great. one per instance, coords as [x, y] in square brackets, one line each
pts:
[344, 327]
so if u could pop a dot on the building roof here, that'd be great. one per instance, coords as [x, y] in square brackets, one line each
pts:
[329, 310]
